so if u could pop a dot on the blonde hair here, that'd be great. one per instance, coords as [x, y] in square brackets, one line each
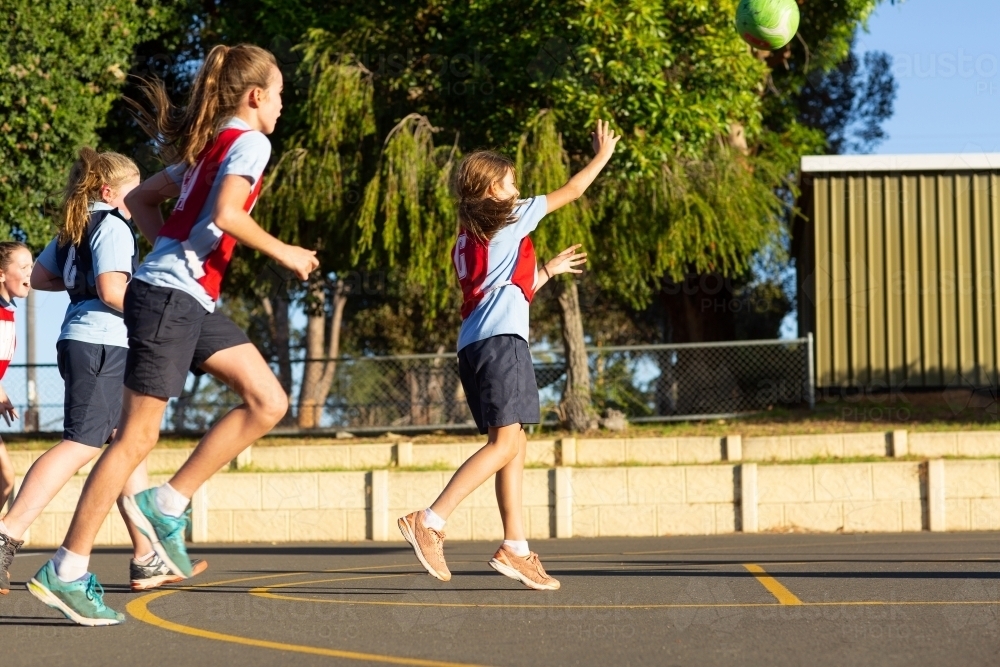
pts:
[479, 214]
[225, 76]
[90, 173]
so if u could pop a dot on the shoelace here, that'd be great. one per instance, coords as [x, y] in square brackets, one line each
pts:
[7, 552]
[532, 558]
[438, 541]
[95, 592]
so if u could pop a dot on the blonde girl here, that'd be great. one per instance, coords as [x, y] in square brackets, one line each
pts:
[93, 257]
[219, 148]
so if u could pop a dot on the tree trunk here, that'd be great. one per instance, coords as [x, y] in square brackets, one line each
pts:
[322, 348]
[276, 309]
[577, 412]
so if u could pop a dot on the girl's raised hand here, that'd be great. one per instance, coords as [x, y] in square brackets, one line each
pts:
[566, 261]
[604, 139]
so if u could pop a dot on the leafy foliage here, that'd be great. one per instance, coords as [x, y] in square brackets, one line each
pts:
[62, 64]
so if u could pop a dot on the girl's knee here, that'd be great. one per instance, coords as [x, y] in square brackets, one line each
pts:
[270, 404]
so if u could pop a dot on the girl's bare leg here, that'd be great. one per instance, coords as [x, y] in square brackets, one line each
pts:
[6, 476]
[244, 370]
[137, 481]
[509, 481]
[46, 477]
[501, 449]
[137, 435]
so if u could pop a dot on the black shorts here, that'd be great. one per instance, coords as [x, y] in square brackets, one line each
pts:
[93, 375]
[169, 334]
[499, 382]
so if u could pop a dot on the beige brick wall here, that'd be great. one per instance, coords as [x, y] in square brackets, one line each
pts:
[972, 495]
[606, 501]
[799, 447]
[955, 443]
[852, 497]
[688, 500]
[282, 507]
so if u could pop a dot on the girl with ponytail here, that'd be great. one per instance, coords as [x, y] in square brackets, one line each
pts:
[93, 257]
[218, 148]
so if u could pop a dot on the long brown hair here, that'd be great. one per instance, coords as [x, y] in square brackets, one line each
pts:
[225, 76]
[90, 173]
[479, 214]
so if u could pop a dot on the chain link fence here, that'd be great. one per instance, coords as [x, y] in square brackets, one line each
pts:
[423, 391]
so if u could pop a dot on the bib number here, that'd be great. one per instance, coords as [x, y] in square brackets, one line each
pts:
[459, 258]
[69, 269]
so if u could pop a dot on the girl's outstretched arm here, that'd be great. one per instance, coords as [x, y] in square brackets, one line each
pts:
[604, 140]
[564, 262]
[144, 203]
[230, 217]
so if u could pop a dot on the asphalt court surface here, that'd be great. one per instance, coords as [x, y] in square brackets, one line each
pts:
[915, 599]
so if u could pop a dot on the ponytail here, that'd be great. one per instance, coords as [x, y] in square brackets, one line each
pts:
[225, 76]
[89, 174]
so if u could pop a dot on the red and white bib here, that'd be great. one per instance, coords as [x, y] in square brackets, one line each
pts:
[471, 258]
[208, 270]
[8, 338]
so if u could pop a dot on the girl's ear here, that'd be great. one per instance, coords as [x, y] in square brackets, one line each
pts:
[107, 194]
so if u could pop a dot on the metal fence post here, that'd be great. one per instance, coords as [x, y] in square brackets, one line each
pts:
[811, 371]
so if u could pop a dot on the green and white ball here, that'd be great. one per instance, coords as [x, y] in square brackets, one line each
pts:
[767, 24]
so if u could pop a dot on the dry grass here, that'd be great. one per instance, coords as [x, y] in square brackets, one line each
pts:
[952, 410]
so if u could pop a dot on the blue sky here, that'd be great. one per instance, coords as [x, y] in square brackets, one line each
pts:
[946, 60]
[946, 56]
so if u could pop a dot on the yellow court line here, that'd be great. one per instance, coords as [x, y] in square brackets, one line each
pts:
[785, 596]
[265, 592]
[139, 608]
[750, 547]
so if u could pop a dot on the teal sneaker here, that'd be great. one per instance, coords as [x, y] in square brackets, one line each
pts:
[80, 601]
[166, 533]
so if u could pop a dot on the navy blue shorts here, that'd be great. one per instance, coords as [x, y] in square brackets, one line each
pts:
[94, 377]
[169, 334]
[499, 382]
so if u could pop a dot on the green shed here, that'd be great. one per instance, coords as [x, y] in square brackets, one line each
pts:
[898, 269]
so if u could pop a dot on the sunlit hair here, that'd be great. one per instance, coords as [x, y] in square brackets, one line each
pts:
[7, 250]
[227, 74]
[90, 173]
[479, 214]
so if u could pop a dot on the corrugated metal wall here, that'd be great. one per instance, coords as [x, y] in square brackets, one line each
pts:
[902, 273]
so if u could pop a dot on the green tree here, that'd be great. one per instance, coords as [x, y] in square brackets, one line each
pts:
[713, 130]
[62, 65]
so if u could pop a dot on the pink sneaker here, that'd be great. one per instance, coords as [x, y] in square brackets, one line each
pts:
[528, 570]
[427, 543]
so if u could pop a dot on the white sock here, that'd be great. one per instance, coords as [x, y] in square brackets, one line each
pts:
[4, 530]
[170, 501]
[145, 559]
[70, 566]
[432, 520]
[519, 547]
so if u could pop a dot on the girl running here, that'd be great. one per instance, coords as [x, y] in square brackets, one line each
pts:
[220, 146]
[93, 258]
[495, 261]
[15, 270]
